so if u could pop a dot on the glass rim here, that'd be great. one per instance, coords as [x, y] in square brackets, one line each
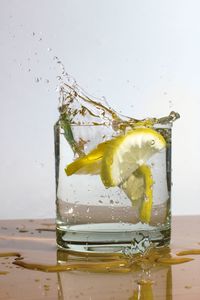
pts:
[156, 125]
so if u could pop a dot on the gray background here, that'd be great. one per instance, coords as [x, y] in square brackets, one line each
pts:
[143, 56]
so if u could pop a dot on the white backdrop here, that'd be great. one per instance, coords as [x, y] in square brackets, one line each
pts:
[143, 56]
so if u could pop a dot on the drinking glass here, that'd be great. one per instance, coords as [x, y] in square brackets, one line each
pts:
[97, 219]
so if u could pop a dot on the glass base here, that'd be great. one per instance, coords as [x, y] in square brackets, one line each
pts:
[112, 238]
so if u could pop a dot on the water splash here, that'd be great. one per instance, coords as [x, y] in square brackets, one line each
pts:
[83, 109]
[63, 76]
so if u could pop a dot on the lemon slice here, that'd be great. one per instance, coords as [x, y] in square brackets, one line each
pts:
[145, 213]
[88, 164]
[127, 153]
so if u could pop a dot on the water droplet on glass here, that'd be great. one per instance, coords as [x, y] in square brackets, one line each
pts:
[70, 211]
[49, 49]
[152, 142]
[33, 33]
[37, 79]
[88, 209]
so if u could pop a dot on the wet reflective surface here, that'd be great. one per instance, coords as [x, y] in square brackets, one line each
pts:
[32, 268]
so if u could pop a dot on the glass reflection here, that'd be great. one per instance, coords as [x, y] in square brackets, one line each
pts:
[91, 280]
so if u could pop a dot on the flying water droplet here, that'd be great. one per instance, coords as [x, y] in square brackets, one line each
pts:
[170, 104]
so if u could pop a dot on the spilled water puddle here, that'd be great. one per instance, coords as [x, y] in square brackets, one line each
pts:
[115, 263]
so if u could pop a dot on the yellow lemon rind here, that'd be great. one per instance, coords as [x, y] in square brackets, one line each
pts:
[146, 209]
[89, 163]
